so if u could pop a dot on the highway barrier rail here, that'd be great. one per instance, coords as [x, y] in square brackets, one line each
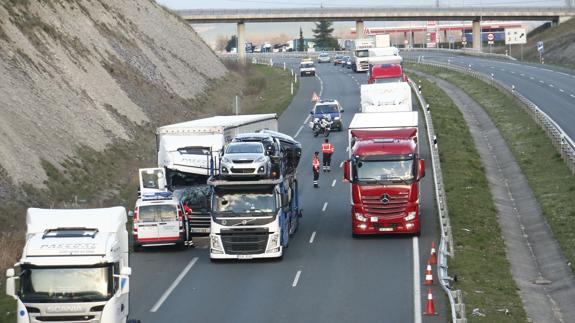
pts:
[561, 141]
[446, 244]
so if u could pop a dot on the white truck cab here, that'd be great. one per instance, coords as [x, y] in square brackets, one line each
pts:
[74, 267]
[307, 67]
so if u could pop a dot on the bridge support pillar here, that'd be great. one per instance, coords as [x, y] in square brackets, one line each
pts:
[241, 45]
[476, 30]
[359, 28]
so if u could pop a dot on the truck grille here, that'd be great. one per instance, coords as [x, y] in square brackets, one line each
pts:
[395, 207]
[364, 65]
[243, 170]
[78, 318]
[245, 241]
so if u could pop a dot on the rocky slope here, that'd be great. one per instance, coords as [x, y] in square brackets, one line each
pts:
[86, 74]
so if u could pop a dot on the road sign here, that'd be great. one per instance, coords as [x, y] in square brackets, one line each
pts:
[314, 97]
[490, 37]
[463, 39]
[515, 36]
[540, 47]
[406, 42]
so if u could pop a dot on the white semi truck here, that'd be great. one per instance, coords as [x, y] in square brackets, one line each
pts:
[74, 267]
[189, 154]
[360, 50]
[386, 97]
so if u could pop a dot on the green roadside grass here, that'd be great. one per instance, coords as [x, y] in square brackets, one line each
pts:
[480, 263]
[548, 176]
[262, 89]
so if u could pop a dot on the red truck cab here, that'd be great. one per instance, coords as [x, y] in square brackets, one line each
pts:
[386, 73]
[384, 170]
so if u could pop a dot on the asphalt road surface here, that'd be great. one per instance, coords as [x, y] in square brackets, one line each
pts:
[551, 88]
[325, 275]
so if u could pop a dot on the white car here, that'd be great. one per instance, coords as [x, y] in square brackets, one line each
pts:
[324, 58]
[243, 159]
[307, 68]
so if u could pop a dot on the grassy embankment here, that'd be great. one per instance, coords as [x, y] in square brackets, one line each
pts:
[107, 178]
[480, 264]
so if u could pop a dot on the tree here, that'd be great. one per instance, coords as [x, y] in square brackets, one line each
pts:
[232, 43]
[300, 43]
[323, 35]
[221, 43]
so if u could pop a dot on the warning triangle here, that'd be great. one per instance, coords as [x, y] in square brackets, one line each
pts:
[314, 97]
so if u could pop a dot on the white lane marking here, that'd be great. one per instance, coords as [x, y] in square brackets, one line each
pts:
[572, 95]
[491, 67]
[512, 72]
[541, 81]
[333, 183]
[531, 78]
[312, 237]
[298, 131]
[545, 69]
[563, 73]
[174, 285]
[307, 119]
[324, 207]
[347, 148]
[341, 165]
[561, 90]
[522, 74]
[416, 283]
[551, 85]
[296, 278]
[320, 85]
[502, 69]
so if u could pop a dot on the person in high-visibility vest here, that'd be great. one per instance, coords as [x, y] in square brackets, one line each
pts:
[315, 167]
[327, 149]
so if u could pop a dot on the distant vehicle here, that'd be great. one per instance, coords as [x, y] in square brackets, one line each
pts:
[74, 267]
[243, 159]
[159, 220]
[324, 58]
[338, 59]
[360, 52]
[306, 67]
[331, 108]
[349, 62]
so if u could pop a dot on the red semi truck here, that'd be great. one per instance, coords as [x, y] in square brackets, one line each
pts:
[384, 169]
[386, 69]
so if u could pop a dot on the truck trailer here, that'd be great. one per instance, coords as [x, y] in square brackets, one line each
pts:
[384, 170]
[386, 97]
[74, 267]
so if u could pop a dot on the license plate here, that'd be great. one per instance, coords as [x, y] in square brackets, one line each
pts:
[385, 229]
[245, 256]
[200, 230]
[373, 219]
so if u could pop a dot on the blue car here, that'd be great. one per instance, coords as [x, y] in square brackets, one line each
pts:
[331, 108]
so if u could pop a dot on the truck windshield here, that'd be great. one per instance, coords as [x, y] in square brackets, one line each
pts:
[326, 108]
[157, 212]
[244, 204]
[389, 80]
[65, 284]
[362, 53]
[388, 171]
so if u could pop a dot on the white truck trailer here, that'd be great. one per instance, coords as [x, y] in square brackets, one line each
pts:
[386, 97]
[74, 267]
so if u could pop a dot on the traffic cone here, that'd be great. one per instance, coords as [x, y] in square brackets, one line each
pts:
[428, 275]
[430, 308]
[433, 257]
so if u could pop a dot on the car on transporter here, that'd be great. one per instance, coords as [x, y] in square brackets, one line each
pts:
[241, 159]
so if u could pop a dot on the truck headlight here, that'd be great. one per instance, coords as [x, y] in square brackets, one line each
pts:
[274, 240]
[215, 243]
[410, 216]
[360, 217]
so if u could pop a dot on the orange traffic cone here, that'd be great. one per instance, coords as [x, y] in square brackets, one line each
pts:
[428, 275]
[430, 308]
[433, 257]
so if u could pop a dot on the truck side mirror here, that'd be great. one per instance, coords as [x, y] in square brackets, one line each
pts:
[421, 169]
[11, 283]
[346, 174]
[341, 110]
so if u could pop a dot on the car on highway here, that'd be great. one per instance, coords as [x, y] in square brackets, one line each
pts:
[346, 62]
[331, 108]
[158, 221]
[324, 58]
[241, 159]
[306, 67]
[338, 59]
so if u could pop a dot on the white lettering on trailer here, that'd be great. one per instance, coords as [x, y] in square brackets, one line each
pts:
[174, 285]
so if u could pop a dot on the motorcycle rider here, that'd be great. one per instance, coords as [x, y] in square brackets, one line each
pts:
[327, 149]
[326, 122]
[315, 168]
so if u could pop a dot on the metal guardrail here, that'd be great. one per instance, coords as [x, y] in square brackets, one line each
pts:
[446, 244]
[282, 55]
[561, 141]
[469, 52]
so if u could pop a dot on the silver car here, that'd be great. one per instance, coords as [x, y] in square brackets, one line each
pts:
[245, 159]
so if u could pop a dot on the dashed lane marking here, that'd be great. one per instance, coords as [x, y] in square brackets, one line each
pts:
[551, 85]
[347, 148]
[341, 165]
[531, 78]
[333, 183]
[324, 207]
[572, 95]
[561, 90]
[173, 285]
[522, 74]
[298, 131]
[563, 73]
[307, 119]
[296, 278]
[541, 81]
[312, 238]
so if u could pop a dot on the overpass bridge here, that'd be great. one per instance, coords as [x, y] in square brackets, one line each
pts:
[359, 15]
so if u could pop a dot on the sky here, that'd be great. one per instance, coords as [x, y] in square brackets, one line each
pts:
[259, 32]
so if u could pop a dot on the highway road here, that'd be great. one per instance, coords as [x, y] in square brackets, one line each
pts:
[325, 275]
[551, 88]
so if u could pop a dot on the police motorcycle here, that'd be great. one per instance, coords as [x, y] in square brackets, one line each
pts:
[321, 125]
